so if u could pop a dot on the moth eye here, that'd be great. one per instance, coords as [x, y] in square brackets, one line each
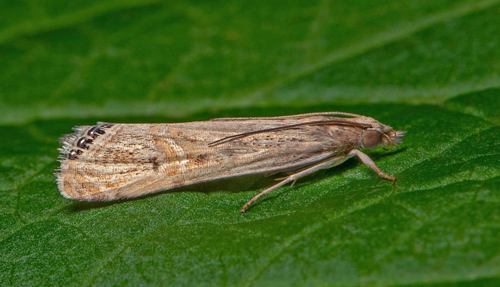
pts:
[370, 139]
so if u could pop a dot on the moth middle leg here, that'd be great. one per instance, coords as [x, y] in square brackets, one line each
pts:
[322, 165]
[294, 177]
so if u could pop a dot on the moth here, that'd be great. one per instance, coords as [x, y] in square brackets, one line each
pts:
[111, 161]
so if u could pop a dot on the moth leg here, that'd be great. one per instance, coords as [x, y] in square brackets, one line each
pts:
[369, 162]
[292, 178]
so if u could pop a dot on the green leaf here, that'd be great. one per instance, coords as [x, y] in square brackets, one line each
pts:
[428, 67]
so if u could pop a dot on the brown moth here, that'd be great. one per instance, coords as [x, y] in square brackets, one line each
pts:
[115, 161]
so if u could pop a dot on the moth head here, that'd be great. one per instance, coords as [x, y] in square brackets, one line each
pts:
[380, 134]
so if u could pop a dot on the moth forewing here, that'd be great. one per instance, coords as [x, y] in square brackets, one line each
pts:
[114, 161]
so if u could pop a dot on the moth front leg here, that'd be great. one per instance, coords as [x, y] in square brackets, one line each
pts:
[369, 162]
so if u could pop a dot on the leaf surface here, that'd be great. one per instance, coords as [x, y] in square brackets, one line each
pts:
[428, 67]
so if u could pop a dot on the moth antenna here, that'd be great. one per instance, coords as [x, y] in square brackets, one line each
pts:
[389, 141]
[291, 116]
[338, 121]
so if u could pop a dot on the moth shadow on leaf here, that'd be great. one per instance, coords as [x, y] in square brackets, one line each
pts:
[379, 154]
[235, 184]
